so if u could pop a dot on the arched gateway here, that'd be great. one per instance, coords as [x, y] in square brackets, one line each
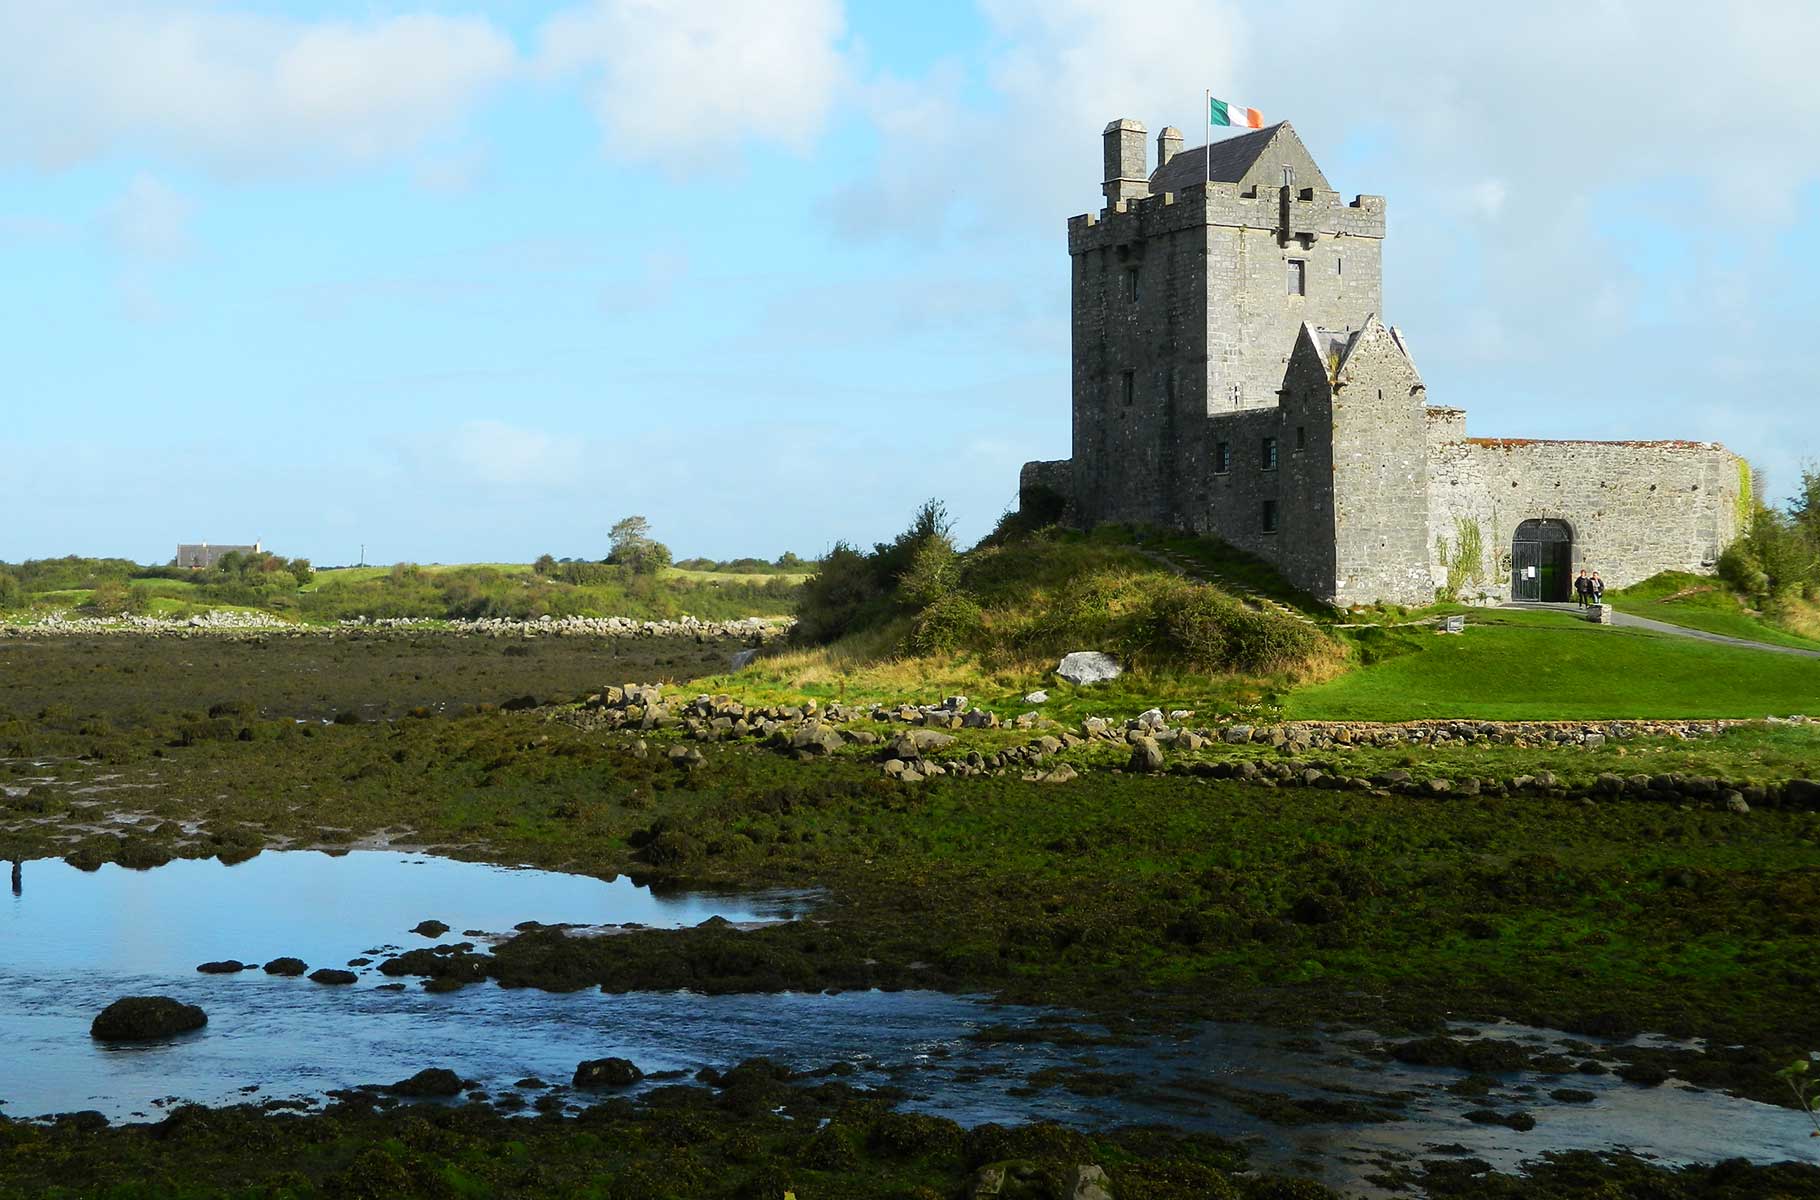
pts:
[1542, 561]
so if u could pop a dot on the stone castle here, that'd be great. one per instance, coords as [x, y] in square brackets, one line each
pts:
[1233, 376]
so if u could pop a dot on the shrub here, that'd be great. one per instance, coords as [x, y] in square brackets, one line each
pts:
[834, 598]
[12, 593]
[951, 623]
[932, 575]
[109, 598]
[1204, 630]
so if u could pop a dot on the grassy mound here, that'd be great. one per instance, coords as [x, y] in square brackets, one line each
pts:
[914, 617]
[1709, 603]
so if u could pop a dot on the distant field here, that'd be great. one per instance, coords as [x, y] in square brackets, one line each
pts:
[754, 577]
[362, 574]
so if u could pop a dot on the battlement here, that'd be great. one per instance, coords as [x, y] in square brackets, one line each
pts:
[1307, 215]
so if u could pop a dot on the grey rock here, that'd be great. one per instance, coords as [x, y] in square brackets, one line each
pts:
[1038, 697]
[1084, 667]
[1086, 1183]
[1146, 755]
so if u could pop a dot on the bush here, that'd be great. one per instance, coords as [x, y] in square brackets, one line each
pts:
[1203, 630]
[835, 597]
[109, 598]
[953, 622]
[12, 593]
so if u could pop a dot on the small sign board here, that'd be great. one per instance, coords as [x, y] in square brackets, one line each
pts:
[1453, 624]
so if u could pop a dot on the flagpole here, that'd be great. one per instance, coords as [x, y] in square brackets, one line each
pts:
[1207, 115]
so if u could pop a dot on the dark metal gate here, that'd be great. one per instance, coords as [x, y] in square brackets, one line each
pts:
[1542, 561]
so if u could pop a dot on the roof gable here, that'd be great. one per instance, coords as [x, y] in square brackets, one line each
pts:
[1254, 159]
[1372, 349]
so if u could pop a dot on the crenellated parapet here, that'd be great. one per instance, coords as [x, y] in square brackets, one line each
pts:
[1305, 215]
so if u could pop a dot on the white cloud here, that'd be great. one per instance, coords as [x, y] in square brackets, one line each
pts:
[675, 82]
[496, 454]
[151, 220]
[235, 91]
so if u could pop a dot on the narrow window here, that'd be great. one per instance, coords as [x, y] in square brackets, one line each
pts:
[1288, 176]
[1301, 437]
[1131, 285]
[1129, 386]
[1269, 523]
[1238, 394]
[1339, 266]
[1222, 458]
[1268, 454]
[1298, 277]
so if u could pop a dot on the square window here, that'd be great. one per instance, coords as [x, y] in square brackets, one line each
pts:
[1129, 387]
[1222, 457]
[1269, 517]
[1268, 454]
[1298, 277]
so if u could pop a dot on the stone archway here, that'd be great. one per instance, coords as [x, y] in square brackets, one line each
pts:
[1542, 561]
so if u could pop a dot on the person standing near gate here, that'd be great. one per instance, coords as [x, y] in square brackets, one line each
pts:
[1595, 588]
[1582, 589]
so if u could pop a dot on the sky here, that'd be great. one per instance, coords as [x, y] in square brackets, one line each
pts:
[470, 282]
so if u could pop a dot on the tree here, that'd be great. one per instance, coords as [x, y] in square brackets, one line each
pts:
[634, 548]
[628, 533]
[544, 566]
[12, 592]
[301, 570]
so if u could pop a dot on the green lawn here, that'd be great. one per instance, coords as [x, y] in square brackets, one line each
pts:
[1546, 666]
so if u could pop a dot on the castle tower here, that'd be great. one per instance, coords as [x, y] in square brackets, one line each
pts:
[1188, 292]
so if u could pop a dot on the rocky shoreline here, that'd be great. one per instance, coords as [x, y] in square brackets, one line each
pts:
[750, 630]
[809, 731]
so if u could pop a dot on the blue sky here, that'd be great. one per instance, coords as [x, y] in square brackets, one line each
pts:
[472, 281]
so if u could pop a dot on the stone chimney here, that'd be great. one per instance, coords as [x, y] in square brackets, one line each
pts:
[1127, 176]
[1168, 145]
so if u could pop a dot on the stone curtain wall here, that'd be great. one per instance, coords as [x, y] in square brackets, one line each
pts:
[1635, 508]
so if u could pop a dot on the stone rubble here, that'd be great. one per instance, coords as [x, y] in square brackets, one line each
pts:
[810, 730]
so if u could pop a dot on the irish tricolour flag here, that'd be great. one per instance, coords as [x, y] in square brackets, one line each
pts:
[1225, 112]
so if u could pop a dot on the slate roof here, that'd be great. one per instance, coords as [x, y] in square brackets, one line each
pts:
[1231, 158]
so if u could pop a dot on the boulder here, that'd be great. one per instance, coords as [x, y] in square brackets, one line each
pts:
[227, 966]
[743, 659]
[816, 738]
[432, 1081]
[606, 1073]
[1037, 697]
[1735, 802]
[145, 1018]
[1146, 755]
[286, 966]
[331, 975]
[1084, 667]
[1086, 1183]
[430, 929]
